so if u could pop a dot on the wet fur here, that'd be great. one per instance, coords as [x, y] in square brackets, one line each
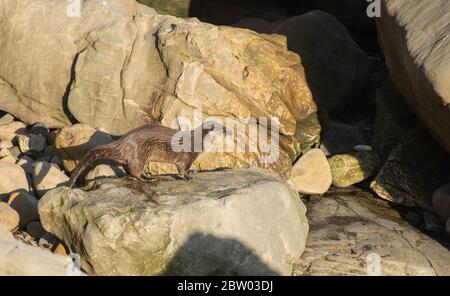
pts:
[149, 143]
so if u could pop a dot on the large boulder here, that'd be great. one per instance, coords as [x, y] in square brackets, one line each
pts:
[414, 38]
[336, 68]
[351, 232]
[233, 222]
[122, 65]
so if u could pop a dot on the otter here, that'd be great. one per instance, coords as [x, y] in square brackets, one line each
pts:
[152, 142]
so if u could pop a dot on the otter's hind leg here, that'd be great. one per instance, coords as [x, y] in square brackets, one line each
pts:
[135, 171]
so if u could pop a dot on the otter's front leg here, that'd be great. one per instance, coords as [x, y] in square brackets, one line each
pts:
[183, 171]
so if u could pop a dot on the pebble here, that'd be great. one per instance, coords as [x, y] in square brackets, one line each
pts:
[363, 148]
[9, 218]
[311, 173]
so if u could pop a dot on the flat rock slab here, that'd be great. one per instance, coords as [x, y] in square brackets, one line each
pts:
[349, 228]
[233, 222]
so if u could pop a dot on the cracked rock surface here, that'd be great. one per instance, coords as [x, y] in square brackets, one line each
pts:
[347, 228]
[119, 66]
[233, 222]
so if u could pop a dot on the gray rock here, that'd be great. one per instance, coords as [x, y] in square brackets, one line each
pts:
[415, 168]
[346, 229]
[216, 224]
[340, 138]
[311, 174]
[441, 202]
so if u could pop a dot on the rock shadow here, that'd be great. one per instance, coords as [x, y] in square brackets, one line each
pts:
[208, 255]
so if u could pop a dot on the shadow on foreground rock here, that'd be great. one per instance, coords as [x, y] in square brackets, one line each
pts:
[218, 252]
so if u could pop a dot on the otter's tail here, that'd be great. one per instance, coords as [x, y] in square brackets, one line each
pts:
[97, 153]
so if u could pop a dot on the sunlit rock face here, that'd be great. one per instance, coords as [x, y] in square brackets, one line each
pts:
[120, 65]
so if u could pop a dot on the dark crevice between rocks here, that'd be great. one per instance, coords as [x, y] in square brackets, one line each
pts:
[65, 98]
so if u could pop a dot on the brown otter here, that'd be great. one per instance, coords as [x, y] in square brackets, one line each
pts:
[148, 143]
